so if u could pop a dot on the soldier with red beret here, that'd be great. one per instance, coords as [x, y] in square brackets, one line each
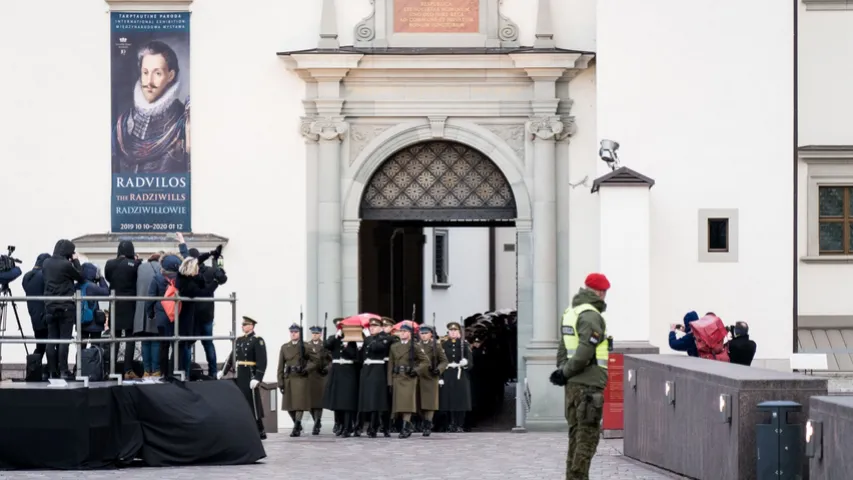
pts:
[582, 361]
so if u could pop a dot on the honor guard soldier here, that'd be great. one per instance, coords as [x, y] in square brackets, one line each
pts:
[406, 361]
[338, 429]
[388, 328]
[429, 381]
[251, 365]
[582, 370]
[295, 363]
[455, 394]
[373, 383]
[341, 393]
[317, 378]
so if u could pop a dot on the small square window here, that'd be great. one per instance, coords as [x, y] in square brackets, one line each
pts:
[718, 235]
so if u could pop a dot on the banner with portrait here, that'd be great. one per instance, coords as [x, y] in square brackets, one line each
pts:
[150, 70]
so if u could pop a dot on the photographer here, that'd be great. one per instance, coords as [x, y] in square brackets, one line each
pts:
[60, 272]
[741, 348]
[204, 311]
[33, 284]
[121, 273]
[192, 285]
[686, 343]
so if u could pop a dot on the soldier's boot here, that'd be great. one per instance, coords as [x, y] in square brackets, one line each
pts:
[371, 431]
[427, 428]
[357, 431]
[297, 429]
[407, 430]
[337, 430]
[317, 427]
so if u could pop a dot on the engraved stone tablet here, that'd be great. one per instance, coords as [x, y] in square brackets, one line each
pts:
[436, 16]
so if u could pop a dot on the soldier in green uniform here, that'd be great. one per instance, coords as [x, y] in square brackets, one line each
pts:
[428, 382]
[317, 378]
[407, 361]
[582, 370]
[388, 328]
[295, 363]
[251, 365]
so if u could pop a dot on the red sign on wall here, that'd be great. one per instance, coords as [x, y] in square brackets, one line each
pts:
[614, 393]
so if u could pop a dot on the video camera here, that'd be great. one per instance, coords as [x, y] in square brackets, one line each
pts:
[7, 262]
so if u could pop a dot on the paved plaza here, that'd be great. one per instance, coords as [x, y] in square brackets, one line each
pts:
[477, 456]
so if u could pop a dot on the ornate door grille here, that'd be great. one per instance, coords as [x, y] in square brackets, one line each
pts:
[438, 180]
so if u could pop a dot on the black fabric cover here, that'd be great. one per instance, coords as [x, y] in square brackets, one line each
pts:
[169, 424]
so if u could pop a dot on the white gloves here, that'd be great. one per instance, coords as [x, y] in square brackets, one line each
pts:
[463, 362]
[253, 384]
[366, 332]
[358, 344]
[440, 383]
[340, 334]
[220, 374]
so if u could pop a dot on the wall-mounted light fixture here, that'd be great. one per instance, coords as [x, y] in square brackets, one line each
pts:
[632, 379]
[725, 408]
[670, 392]
[814, 439]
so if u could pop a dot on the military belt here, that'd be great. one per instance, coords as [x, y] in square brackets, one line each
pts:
[370, 361]
[246, 364]
[342, 361]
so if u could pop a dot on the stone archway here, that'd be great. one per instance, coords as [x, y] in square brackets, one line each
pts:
[438, 180]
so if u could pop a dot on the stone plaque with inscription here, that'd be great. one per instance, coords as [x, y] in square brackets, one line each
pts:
[436, 16]
[436, 24]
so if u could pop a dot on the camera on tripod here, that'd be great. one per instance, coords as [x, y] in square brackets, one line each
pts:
[7, 262]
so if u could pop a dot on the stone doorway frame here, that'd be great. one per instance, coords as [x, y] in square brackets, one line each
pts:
[520, 119]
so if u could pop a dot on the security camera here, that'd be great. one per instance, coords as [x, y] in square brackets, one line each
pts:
[607, 153]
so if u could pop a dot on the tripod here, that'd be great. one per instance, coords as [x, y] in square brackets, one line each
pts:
[5, 291]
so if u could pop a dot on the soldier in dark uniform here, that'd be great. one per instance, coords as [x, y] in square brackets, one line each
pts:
[455, 394]
[295, 363]
[373, 384]
[335, 355]
[407, 361]
[317, 378]
[251, 366]
[341, 393]
[429, 381]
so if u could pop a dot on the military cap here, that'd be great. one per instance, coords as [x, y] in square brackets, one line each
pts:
[407, 327]
[452, 325]
[388, 322]
[337, 320]
[295, 328]
[249, 320]
[316, 329]
[375, 322]
[426, 329]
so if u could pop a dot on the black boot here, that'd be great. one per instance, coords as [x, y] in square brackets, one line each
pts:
[427, 428]
[317, 427]
[297, 429]
[407, 430]
[337, 430]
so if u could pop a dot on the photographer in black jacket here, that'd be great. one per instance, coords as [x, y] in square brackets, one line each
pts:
[60, 272]
[33, 284]
[204, 311]
[741, 348]
[121, 273]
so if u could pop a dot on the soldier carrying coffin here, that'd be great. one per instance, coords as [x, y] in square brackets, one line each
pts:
[455, 392]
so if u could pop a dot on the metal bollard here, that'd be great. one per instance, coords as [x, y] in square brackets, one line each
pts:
[779, 443]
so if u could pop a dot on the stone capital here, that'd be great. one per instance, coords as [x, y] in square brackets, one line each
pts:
[328, 128]
[569, 128]
[305, 129]
[545, 127]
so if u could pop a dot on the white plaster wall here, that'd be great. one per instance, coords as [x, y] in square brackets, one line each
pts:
[707, 125]
[468, 260]
[825, 102]
[505, 269]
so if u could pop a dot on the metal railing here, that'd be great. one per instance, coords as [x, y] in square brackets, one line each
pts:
[113, 340]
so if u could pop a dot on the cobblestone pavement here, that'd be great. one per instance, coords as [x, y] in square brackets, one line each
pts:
[479, 456]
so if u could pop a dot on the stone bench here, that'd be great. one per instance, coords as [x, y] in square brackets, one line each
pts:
[832, 418]
[678, 426]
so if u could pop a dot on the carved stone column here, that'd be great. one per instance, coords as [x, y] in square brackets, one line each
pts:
[562, 180]
[312, 201]
[350, 266]
[545, 310]
[330, 131]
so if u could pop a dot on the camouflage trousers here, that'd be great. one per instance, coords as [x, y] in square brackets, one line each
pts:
[584, 409]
